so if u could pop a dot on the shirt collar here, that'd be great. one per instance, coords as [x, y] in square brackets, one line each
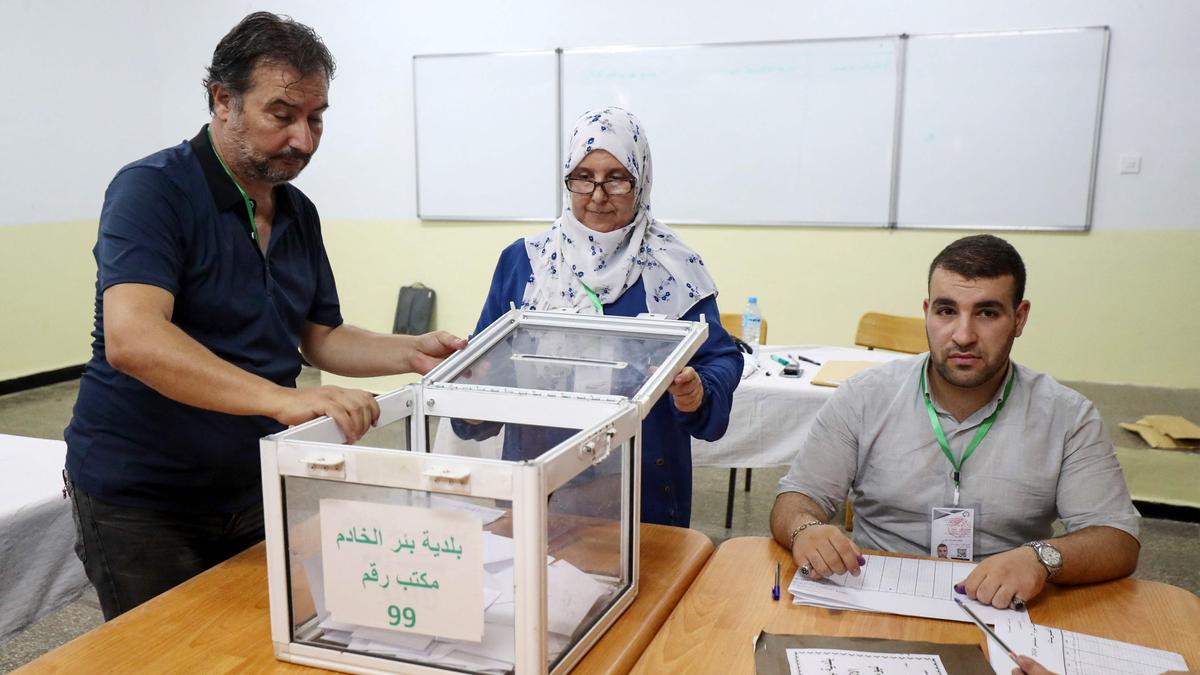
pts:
[977, 417]
[224, 191]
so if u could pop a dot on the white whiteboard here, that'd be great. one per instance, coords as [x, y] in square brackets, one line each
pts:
[754, 133]
[1000, 130]
[486, 127]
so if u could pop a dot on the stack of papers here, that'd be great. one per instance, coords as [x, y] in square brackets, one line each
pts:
[1069, 653]
[907, 586]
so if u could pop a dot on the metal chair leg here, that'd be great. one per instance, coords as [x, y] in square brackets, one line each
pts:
[729, 499]
[748, 480]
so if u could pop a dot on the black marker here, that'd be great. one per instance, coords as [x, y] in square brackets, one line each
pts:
[805, 359]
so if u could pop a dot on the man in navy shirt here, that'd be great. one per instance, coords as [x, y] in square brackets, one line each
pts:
[212, 282]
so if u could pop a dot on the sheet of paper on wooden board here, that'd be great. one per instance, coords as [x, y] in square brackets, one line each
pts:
[771, 654]
[834, 373]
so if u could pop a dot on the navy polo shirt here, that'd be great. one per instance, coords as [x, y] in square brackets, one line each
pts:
[176, 220]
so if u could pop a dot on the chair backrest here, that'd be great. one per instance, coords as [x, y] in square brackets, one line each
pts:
[732, 323]
[891, 332]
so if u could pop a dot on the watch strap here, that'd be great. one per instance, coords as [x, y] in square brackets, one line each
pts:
[1038, 549]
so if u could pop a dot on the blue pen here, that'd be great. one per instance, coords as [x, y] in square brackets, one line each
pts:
[775, 590]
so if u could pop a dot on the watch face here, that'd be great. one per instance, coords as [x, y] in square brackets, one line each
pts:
[1050, 555]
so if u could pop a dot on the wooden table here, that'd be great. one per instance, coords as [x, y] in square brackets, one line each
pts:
[712, 628]
[218, 621]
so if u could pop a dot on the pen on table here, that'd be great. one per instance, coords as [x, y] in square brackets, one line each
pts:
[775, 590]
[780, 361]
[978, 622]
[804, 359]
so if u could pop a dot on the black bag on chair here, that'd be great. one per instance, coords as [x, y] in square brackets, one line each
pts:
[414, 310]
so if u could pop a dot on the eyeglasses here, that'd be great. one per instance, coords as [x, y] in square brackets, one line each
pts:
[613, 187]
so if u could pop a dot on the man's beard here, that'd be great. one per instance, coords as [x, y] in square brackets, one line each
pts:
[253, 165]
[970, 380]
[965, 380]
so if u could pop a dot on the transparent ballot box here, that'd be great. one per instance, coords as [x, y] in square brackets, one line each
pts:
[489, 522]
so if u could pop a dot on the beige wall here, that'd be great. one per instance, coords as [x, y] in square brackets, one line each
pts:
[1108, 306]
[48, 279]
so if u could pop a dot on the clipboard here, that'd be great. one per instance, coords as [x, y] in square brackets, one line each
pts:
[770, 651]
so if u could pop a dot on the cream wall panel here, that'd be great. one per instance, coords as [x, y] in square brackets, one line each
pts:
[1106, 307]
[48, 278]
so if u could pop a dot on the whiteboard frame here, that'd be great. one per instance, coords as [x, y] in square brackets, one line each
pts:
[857, 225]
[1106, 33]
[417, 145]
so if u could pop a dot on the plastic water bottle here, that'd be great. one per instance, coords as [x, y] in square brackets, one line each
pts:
[751, 323]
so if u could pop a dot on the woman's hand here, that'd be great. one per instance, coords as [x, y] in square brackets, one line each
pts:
[687, 390]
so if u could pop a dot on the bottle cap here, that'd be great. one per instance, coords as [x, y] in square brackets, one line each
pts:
[754, 298]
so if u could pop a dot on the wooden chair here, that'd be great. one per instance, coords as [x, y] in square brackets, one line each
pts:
[732, 323]
[893, 333]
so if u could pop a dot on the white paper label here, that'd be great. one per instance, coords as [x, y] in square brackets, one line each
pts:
[403, 568]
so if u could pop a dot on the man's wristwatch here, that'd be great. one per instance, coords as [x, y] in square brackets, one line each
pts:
[1049, 556]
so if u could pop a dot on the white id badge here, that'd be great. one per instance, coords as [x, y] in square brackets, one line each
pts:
[952, 533]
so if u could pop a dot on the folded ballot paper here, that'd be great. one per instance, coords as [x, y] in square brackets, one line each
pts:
[571, 595]
[907, 586]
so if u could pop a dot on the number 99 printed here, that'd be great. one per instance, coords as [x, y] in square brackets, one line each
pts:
[407, 615]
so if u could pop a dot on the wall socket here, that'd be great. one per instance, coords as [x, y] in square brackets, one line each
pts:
[1131, 163]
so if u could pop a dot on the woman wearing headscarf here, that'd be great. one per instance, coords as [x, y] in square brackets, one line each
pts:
[607, 254]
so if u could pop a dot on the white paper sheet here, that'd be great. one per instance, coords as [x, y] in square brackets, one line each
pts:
[486, 514]
[846, 662]
[1069, 653]
[570, 593]
[497, 549]
[907, 586]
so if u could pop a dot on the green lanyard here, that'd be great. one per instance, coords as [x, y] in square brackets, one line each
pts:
[249, 205]
[593, 297]
[979, 434]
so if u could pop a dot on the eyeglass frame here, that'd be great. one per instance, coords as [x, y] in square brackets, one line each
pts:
[601, 184]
